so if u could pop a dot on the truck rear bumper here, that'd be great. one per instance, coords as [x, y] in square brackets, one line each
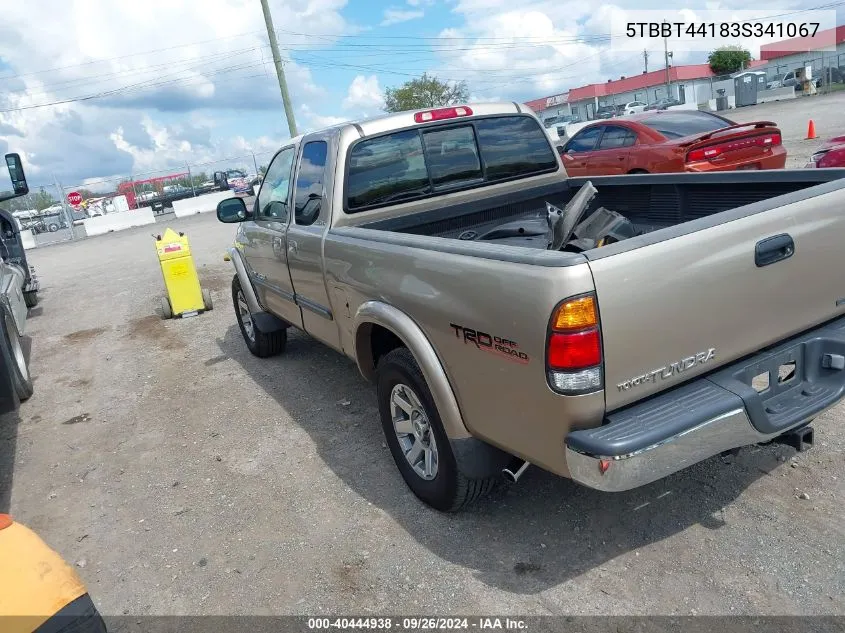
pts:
[752, 401]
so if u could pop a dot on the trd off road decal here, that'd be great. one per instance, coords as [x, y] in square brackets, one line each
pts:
[492, 344]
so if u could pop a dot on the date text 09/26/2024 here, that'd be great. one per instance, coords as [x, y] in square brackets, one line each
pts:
[403, 624]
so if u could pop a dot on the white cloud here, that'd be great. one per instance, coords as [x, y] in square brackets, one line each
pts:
[393, 15]
[420, 3]
[97, 47]
[314, 121]
[364, 94]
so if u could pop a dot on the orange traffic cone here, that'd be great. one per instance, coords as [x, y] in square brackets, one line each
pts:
[811, 130]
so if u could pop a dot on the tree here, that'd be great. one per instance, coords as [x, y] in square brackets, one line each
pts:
[728, 59]
[424, 92]
[43, 199]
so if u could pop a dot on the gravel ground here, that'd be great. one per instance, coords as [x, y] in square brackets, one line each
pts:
[184, 476]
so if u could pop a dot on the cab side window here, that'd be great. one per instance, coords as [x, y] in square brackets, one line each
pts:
[273, 197]
[309, 183]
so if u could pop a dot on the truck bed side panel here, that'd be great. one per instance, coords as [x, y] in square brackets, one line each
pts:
[675, 306]
[459, 300]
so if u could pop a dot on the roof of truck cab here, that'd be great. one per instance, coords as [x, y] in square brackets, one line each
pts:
[399, 120]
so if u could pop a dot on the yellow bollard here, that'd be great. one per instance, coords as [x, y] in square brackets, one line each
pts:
[184, 295]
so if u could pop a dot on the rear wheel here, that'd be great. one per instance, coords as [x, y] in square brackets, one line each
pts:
[638, 171]
[261, 344]
[30, 299]
[52, 227]
[416, 437]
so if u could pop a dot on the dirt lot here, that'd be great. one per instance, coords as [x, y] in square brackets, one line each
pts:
[184, 476]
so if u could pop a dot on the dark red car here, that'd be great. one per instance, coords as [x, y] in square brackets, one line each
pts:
[831, 154]
[672, 141]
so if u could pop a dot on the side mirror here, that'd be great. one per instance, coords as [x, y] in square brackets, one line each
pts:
[231, 210]
[16, 175]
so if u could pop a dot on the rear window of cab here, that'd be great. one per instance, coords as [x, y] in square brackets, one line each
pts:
[419, 163]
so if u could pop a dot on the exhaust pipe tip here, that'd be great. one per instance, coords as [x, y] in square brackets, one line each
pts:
[513, 471]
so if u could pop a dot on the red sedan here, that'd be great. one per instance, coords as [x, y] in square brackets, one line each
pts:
[672, 141]
[831, 154]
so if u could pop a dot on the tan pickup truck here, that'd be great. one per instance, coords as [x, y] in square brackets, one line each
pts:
[613, 331]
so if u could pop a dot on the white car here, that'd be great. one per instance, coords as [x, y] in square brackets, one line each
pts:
[632, 107]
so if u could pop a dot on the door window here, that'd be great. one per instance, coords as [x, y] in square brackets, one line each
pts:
[309, 183]
[615, 137]
[273, 197]
[584, 141]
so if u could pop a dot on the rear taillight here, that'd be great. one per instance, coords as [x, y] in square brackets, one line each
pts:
[573, 351]
[714, 151]
[442, 113]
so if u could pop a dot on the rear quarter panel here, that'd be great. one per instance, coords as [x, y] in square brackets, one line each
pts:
[503, 400]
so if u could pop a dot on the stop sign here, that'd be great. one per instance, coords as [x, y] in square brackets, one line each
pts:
[74, 197]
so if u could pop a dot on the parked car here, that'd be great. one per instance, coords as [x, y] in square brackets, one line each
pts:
[776, 82]
[831, 154]
[662, 104]
[673, 141]
[447, 253]
[633, 107]
[607, 112]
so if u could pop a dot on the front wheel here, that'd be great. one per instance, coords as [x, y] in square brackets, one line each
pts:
[19, 369]
[416, 437]
[261, 344]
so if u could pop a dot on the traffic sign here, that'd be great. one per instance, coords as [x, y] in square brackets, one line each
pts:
[74, 197]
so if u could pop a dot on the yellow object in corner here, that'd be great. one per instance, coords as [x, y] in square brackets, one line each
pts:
[35, 582]
[180, 274]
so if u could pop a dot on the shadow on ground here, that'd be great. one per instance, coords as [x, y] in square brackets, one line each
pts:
[524, 538]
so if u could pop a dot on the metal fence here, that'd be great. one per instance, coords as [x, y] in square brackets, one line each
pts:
[48, 212]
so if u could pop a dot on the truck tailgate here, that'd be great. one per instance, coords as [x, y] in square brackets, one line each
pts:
[679, 302]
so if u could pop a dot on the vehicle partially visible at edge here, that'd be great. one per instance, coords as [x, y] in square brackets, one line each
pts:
[831, 154]
[18, 292]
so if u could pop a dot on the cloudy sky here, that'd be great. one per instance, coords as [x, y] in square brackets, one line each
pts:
[93, 89]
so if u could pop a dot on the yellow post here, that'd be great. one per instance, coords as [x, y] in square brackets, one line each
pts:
[184, 295]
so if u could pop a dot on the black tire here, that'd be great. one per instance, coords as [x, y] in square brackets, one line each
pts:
[30, 299]
[261, 344]
[18, 367]
[449, 490]
[638, 171]
[53, 227]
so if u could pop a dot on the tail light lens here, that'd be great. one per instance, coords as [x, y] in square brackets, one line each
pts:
[714, 151]
[442, 113]
[574, 354]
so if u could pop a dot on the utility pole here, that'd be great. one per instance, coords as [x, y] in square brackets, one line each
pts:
[667, 55]
[280, 71]
[645, 59]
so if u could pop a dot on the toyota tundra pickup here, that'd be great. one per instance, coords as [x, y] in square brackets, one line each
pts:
[613, 331]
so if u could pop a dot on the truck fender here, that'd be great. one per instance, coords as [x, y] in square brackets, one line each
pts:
[377, 313]
[246, 283]
[265, 321]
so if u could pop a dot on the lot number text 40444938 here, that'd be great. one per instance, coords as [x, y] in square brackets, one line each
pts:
[403, 624]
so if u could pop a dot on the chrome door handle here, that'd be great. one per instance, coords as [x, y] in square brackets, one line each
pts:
[292, 247]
